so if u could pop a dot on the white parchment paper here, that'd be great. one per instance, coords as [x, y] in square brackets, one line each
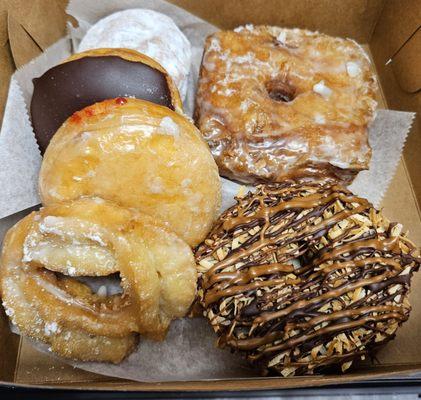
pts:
[188, 353]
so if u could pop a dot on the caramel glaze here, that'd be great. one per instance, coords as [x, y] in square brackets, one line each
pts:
[344, 294]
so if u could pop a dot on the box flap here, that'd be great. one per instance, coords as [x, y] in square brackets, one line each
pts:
[355, 19]
[27, 37]
[3, 23]
[6, 60]
[22, 45]
[406, 64]
[398, 22]
[32, 14]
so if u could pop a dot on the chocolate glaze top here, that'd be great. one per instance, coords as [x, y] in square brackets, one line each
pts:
[304, 275]
[71, 86]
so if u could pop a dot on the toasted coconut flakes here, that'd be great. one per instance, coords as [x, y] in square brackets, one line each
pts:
[346, 366]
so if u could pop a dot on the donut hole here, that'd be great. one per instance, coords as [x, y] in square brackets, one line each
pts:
[280, 91]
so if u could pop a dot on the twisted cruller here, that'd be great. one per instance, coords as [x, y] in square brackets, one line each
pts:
[302, 276]
[45, 252]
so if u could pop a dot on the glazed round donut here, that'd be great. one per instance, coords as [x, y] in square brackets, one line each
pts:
[44, 252]
[92, 76]
[136, 154]
[276, 103]
[303, 276]
[148, 32]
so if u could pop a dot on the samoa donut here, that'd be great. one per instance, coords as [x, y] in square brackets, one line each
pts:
[136, 154]
[45, 252]
[92, 76]
[303, 276]
[148, 32]
[277, 103]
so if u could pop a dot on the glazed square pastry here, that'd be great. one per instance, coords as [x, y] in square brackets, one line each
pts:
[277, 103]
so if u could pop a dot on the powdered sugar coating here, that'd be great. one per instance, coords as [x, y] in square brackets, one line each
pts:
[148, 32]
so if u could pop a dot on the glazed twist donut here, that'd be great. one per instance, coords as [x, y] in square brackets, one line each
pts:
[136, 154]
[302, 276]
[44, 252]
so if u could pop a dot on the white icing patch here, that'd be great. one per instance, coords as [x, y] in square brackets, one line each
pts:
[319, 119]
[53, 193]
[282, 37]
[51, 224]
[353, 69]
[248, 27]
[156, 185]
[50, 328]
[214, 45]
[96, 238]
[9, 312]
[227, 92]
[322, 89]
[85, 135]
[245, 59]
[244, 105]
[168, 127]
[71, 271]
[185, 182]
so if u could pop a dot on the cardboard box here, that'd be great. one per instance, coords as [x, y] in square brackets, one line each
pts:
[390, 31]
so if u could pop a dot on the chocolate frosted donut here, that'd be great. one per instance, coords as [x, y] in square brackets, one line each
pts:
[302, 276]
[92, 76]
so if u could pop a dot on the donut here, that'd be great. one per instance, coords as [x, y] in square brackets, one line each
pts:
[136, 154]
[45, 252]
[304, 277]
[148, 32]
[92, 76]
[276, 104]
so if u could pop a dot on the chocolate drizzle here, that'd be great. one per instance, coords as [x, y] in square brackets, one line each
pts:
[69, 87]
[301, 276]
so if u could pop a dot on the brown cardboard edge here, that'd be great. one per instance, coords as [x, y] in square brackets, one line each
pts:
[245, 384]
[242, 384]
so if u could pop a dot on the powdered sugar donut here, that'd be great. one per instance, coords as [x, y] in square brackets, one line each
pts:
[148, 32]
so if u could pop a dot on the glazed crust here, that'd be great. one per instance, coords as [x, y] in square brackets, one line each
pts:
[302, 277]
[136, 154]
[44, 252]
[275, 103]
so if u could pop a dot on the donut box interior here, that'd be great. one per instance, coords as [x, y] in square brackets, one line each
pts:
[390, 33]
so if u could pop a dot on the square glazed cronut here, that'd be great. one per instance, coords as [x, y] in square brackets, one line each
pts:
[274, 103]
